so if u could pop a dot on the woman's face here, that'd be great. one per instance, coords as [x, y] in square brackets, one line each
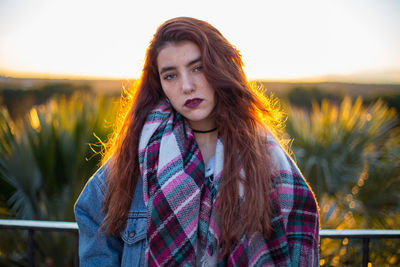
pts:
[183, 82]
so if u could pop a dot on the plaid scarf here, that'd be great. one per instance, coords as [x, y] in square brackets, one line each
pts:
[181, 203]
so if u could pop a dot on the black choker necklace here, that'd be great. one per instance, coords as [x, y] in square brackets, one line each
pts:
[208, 131]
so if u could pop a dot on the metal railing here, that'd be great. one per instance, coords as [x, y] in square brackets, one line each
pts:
[32, 226]
[364, 234]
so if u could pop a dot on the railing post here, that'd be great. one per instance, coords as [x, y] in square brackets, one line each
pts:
[31, 253]
[76, 260]
[365, 258]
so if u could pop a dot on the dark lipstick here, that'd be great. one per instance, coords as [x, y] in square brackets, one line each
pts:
[193, 103]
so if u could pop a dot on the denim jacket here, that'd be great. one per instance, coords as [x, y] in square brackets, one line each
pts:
[95, 249]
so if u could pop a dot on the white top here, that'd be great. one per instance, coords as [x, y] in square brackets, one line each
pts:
[201, 256]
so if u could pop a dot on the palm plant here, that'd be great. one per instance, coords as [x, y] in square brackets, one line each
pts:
[334, 143]
[46, 159]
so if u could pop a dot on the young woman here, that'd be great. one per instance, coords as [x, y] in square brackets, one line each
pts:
[195, 175]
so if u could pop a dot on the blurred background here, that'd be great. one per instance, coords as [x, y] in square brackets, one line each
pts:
[334, 65]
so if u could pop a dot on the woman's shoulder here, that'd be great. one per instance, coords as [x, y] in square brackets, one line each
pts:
[280, 158]
[294, 193]
[94, 191]
[98, 179]
[285, 170]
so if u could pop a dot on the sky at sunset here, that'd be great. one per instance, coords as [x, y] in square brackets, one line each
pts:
[335, 40]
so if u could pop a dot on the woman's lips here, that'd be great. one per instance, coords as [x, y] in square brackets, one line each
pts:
[193, 103]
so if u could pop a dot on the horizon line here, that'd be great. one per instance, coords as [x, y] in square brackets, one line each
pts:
[316, 79]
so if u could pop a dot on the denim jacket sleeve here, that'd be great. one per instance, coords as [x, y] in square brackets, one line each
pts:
[96, 249]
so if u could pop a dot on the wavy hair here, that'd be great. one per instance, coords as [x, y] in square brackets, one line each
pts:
[243, 115]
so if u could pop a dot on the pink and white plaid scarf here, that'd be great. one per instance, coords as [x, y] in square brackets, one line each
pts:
[182, 206]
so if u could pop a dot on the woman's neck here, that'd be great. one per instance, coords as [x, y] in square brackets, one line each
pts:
[207, 142]
[203, 126]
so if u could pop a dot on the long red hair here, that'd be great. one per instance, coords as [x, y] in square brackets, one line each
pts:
[243, 117]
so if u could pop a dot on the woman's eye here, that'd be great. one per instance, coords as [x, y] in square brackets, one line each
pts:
[169, 76]
[198, 68]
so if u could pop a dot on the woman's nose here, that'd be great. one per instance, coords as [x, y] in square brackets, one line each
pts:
[187, 84]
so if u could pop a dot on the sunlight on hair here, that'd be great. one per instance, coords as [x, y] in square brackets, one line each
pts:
[271, 113]
[128, 95]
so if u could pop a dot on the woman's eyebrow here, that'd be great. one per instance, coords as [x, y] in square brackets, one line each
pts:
[164, 69]
[168, 68]
[194, 61]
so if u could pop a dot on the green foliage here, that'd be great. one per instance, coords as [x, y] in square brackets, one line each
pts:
[334, 143]
[350, 154]
[19, 101]
[46, 159]
[392, 99]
